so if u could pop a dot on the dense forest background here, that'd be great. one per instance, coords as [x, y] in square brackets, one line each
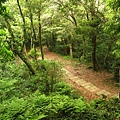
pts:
[87, 30]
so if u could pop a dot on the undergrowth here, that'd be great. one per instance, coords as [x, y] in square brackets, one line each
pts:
[46, 96]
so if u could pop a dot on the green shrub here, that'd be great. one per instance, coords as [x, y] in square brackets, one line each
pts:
[13, 108]
[66, 57]
[9, 77]
[56, 107]
[108, 109]
[47, 75]
[63, 88]
[45, 96]
[41, 106]
[32, 53]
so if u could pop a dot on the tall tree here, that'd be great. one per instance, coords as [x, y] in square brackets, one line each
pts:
[24, 27]
[40, 28]
[95, 17]
[15, 48]
[32, 27]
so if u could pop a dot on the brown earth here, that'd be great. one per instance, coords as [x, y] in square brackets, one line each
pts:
[100, 79]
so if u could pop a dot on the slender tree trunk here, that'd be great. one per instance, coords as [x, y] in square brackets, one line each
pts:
[87, 16]
[34, 36]
[94, 52]
[71, 52]
[24, 27]
[31, 40]
[40, 33]
[94, 26]
[74, 19]
[33, 30]
[14, 49]
[65, 46]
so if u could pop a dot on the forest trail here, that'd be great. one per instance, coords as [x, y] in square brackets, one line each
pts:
[91, 84]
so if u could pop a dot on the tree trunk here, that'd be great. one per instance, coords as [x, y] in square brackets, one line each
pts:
[24, 27]
[71, 52]
[74, 19]
[25, 60]
[31, 41]
[40, 33]
[94, 52]
[65, 46]
[14, 49]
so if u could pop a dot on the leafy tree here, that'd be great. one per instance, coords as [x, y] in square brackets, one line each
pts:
[13, 45]
[115, 5]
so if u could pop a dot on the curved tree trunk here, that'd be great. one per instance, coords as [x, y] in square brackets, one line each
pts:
[15, 51]
[74, 19]
[25, 60]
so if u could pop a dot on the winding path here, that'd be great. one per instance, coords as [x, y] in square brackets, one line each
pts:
[90, 84]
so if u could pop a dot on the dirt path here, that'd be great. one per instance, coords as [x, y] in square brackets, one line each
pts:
[76, 74]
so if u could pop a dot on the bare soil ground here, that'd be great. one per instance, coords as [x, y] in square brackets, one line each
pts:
[101, 78]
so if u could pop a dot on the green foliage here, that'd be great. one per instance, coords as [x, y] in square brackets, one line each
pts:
[63, 88]
[115, 4]
[1, 7]
[29, 97]
[47, 75]
[9, 76]
[16, 80]
[39, 106]
[5, 52]
[32, 53]
[45, 95]
[108, 109]
[116, 52]
[66, 57]
[60, 107]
